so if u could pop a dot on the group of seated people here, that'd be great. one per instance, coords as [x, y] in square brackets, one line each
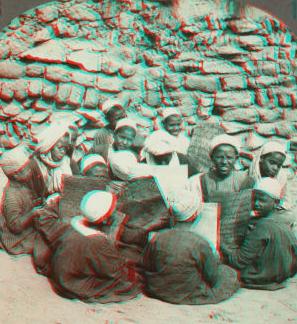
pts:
[99, 257]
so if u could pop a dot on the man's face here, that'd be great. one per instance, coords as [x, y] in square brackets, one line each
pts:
[114, 115]
[59, 150]
[124, 138]
[98, 170]
[263, 203]
[173, 125]
[163, 159]
[224, 158]
[271, 163]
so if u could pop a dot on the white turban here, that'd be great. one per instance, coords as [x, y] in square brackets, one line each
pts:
[89, 161]
[108, 104]
[125, 166]
[98, 205]
[15, 160]
[159, 143]
[170, 112]
[226, 140]
[273, 187]
[50, 136]
[270, 147]
[185, 204]
[126, 122]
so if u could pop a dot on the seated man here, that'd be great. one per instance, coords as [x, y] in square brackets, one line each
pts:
[104, 138]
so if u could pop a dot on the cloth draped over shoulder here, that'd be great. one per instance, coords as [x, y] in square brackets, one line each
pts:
[267, 257]
[16, 237]
[182, 269]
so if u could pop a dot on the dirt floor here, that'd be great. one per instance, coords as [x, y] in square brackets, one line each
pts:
[27, 297]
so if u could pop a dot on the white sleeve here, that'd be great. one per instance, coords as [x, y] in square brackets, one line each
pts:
[194, 184]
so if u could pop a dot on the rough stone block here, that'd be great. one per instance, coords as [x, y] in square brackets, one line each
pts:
[152, 98]
[63, 29]
[185, 101]
[234, 99]
[148, 112]
[173, 80]
[189, 66]
[151, 85]
[50, 51]
[289, 115]
[234, 82]
[20, 89]
[88, 61]
[284, 100]
[47, 14]
[12, 109]
[251, 42]
[242, 115]
[43, 35]
[81, 13]
[268, 68]
[110, 65]
[127, 70]
[91, 98]
[83, 78]
[39, 117]
[288, 81]
[133, 83]
[208, 84]
[42, 105]
[57, 73]
[35, 70]
[234, 127]
[63, 93]
[93, 115]
[4, 49]
[109, 84]
[219, 67]
[48, 90]
[11, 70]
[35, 88]
[285, 66]
[155, 74]
[76, 95]
[268, 115]
[243, 26]
[267, 129]
[284, 129]
[263, 81]
[23, 116]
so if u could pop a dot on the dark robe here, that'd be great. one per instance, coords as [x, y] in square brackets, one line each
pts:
[181, 268]
[267, 257]
[17, 236]
[91, 269]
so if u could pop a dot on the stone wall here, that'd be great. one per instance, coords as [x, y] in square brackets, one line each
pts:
[213, 60]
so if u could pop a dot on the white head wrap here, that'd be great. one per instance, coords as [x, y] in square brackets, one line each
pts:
[226, 140]
[14, 160]
[126, 122]
[108, 104]
[271, 186]
[50, 136]
[89, 161]
[159, 143]
[170, 112]
[270, 147]
[185, 204]
[98, 205]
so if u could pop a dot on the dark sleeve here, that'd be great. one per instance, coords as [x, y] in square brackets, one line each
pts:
[14, 205]
[248, 183]
[138, 143]
[183, 159]
[74, 168]
[250, 249]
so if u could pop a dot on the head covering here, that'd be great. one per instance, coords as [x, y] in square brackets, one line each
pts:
[89, 161]
[50, 136]
[273, 187]
[270, 147]
[126, 122]
[108, 104]
[184, 205]
[159, 143]
[226, 140]
[98, 205]
[170, 112]
[15, 160]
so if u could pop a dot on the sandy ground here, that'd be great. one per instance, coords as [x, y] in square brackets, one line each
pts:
[27, 297]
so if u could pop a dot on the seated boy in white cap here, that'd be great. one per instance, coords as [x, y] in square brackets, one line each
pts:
[180, 266]
[93, 165]
[104, 138]
[86, 263]
[267, 257]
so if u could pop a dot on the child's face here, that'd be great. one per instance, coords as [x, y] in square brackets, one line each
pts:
[97, 170]
[271, 163]
[172, 125]
[224, 158]
[124, 138]
[263, 203]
